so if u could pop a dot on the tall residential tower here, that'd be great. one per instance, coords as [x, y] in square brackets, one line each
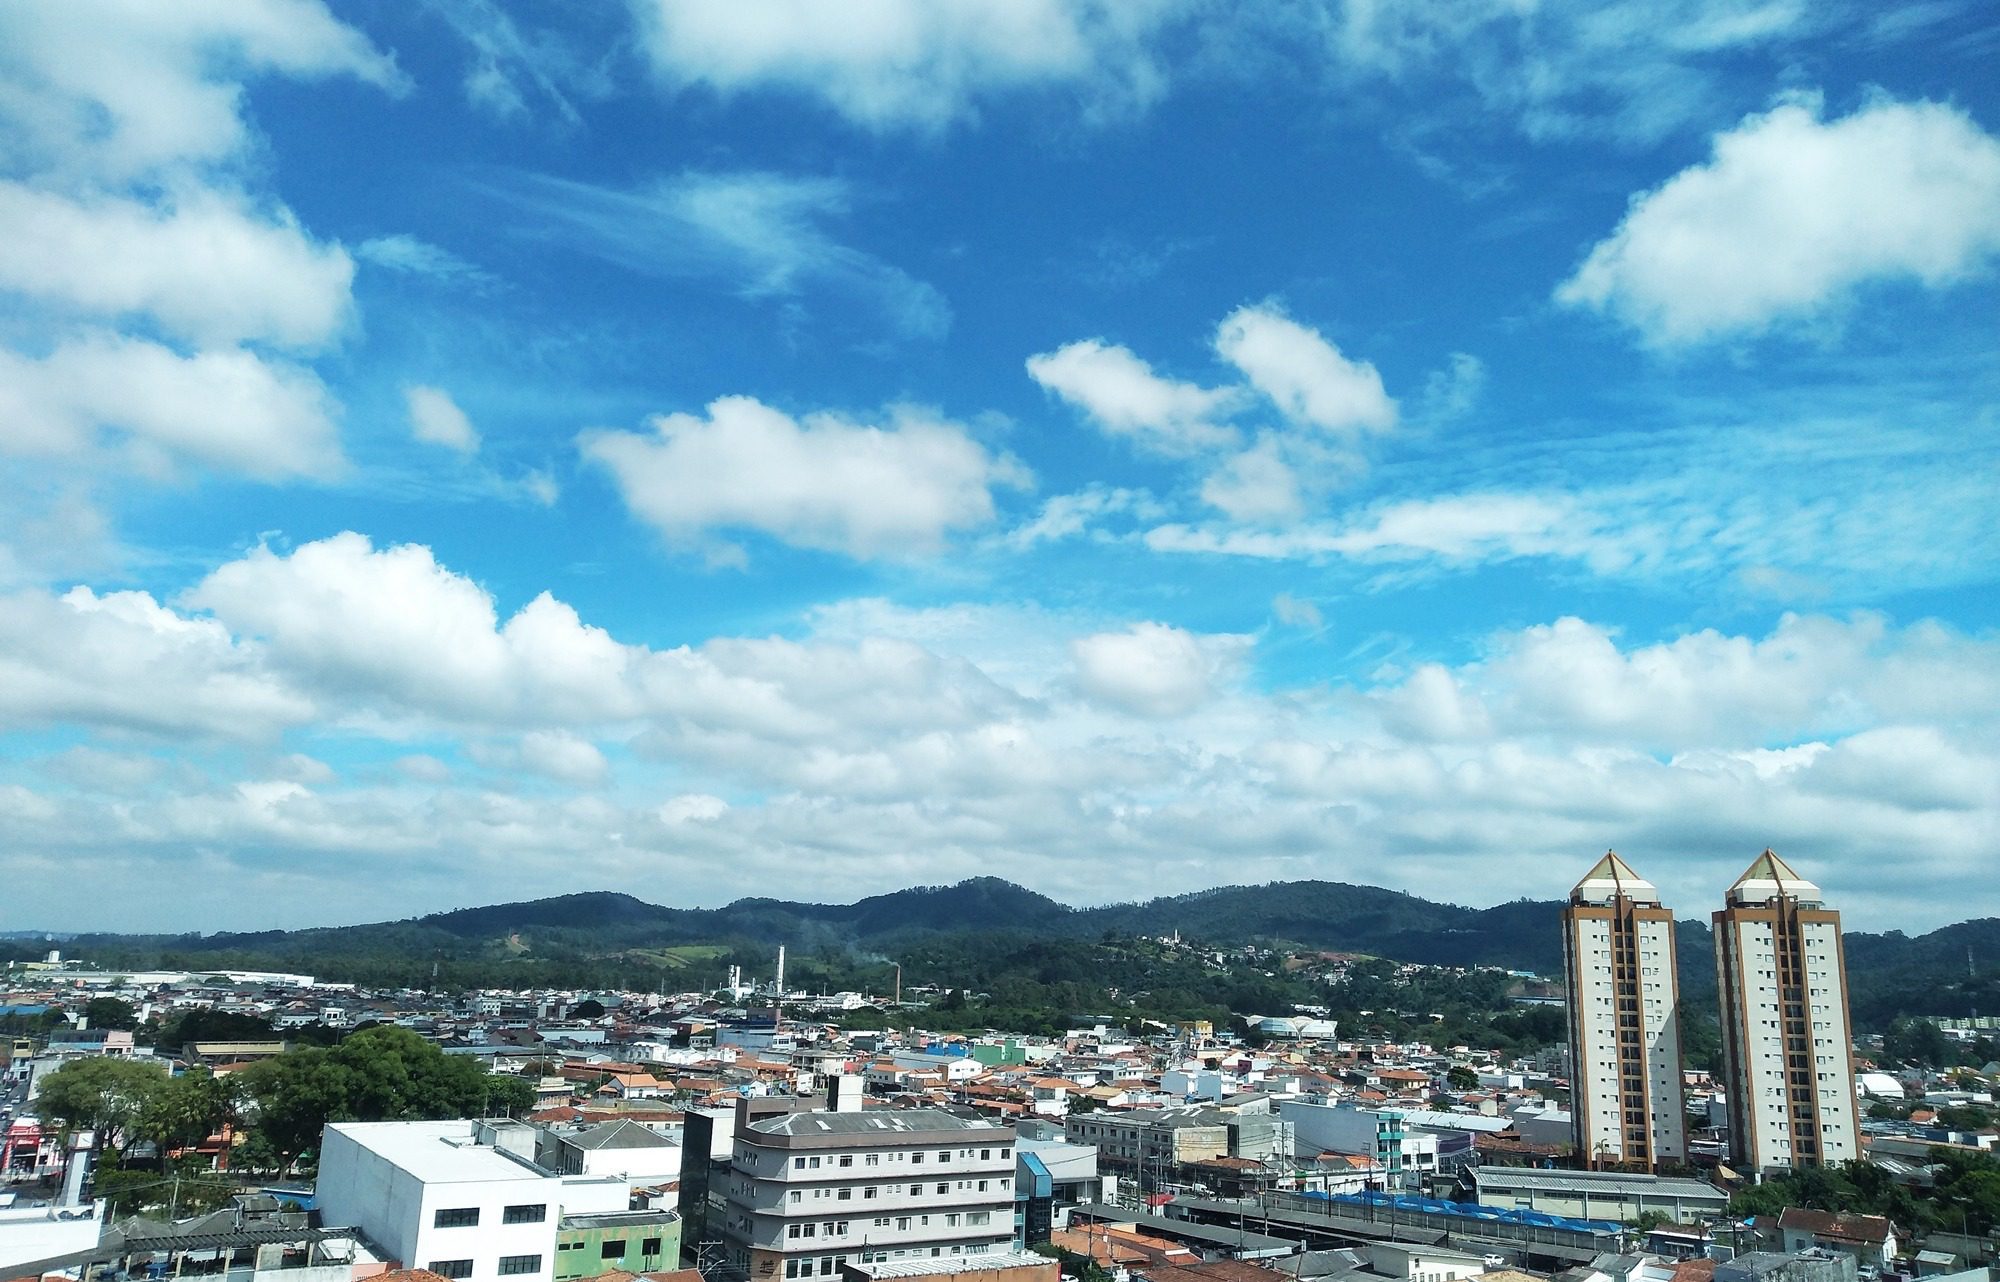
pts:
[1624, 1025]
[1788, 1073]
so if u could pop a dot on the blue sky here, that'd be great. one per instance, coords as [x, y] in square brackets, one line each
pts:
[467, 451]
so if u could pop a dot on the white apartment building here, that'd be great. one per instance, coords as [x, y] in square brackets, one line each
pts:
[810, 1191]
[1788, 1068]
[1320, 1125]
[463, 1199]
[1624, 1021]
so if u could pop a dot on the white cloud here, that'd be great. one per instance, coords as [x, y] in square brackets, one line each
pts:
[897, 746]
[394, 630]
[1124, 397]
[1457, 528]
[1303, 374]
[919, 64]
[820, 482]
[122, 89]
[1151, 669]
[1296, 612]
[417, 257]
[203, 267]
[1792, 213]
[1629, 70]
[226, 407]
[436, 419]
[121, 134]
[563, 756]
[123, 662]
[766, 234]
[1065, 516]
[1257, 485]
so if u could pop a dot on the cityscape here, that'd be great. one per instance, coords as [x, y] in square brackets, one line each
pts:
[999, 641]
[762, 1129]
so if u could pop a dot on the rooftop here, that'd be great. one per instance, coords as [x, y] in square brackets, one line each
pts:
[1613, 878]
[1769, 877]
[920, 1268]
[884, 1122]
[1619, 1183]
[436, 1152]
[1871, 1229]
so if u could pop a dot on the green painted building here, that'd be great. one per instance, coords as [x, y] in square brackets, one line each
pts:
[634, 1241]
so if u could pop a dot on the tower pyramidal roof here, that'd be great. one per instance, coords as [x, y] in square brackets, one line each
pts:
[1610, 878]
[1769, 877]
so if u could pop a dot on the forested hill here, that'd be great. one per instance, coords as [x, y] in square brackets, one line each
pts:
[546, 940]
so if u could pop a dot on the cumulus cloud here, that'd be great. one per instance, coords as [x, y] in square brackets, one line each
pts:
[1302, 373]
[121, 135]
[562, 756]
[125, 663]
[110, 90]
[1123, 396]
[203, 268]
[897, 745]
[435, 419]
[1792, 213]
[1323, 402]
[394, 629]
[919, 64]
[226, 407]
[1257, 485]
[1149, 669]
[823, 481]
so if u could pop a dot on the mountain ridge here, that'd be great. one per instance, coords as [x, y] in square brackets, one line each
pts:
[1312, 915]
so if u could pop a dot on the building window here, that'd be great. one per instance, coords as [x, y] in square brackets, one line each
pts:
[844, 1195]
[798, 1164]
[916, 1159]
[813, 1162]
[649, 1246]
[612, 1250]
[973, 1219]
[870, 1191]
[944, 1155]
[797, 1197]
[846, 1159]
[916, 1190]
[452, 1268]
[943, 1189]
[525, 1214]
[791, 1268]
[873, 1159]
[456, 1217]
[515, 1265]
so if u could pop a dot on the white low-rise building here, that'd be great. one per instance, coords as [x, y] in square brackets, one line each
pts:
[463, 1199]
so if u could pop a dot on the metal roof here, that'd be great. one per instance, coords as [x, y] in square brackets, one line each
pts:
[1613, 1183]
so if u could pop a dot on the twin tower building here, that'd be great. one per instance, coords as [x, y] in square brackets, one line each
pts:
[1788, 1076]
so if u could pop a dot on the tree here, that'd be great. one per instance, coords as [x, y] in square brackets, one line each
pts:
[588, 1008]
[187, 1110]
[110, 1012]
[379, 1074]
[102, 1094]
[1081, 1103]
[1461, 1078]
[204, 1025]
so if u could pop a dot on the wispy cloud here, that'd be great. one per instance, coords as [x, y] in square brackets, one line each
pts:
[764, 234]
